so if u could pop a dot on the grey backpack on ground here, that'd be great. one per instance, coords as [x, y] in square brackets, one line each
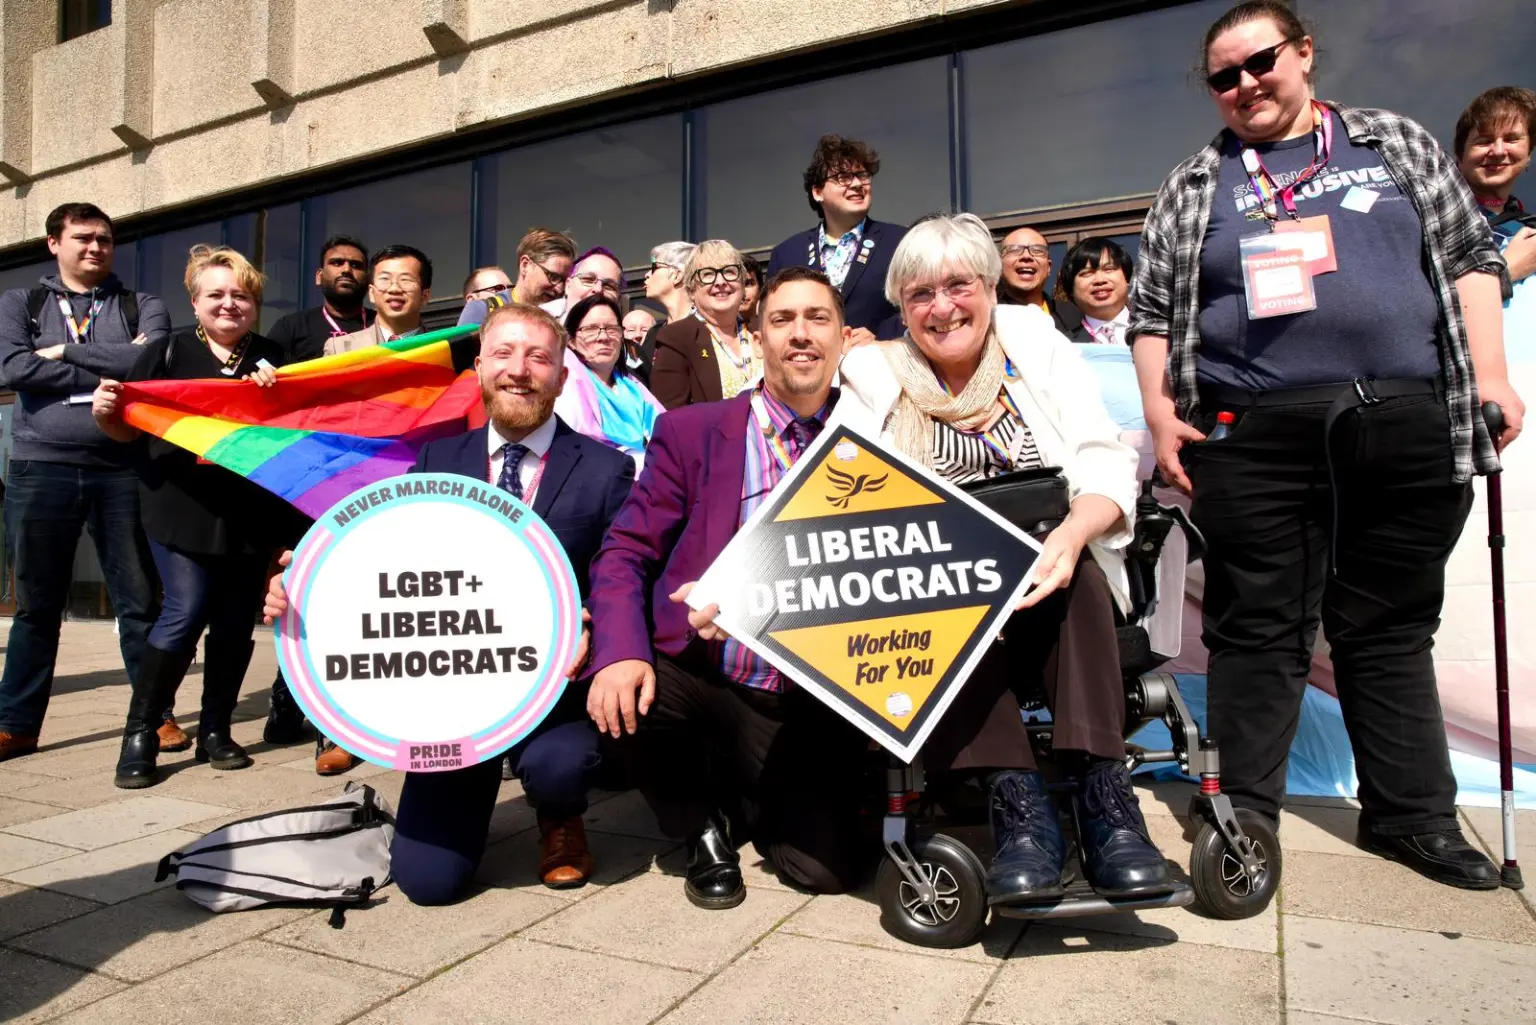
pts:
[334, 854]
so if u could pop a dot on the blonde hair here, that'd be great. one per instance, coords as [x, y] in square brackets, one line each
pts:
[201, 257]
[714, 252]
[531, 315]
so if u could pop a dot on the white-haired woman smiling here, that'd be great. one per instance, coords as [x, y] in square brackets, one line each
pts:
[975, 390]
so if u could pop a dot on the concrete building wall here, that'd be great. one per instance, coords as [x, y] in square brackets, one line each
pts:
[181, 100]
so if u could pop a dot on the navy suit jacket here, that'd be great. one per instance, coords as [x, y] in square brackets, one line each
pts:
[864, 302]
[584, 484]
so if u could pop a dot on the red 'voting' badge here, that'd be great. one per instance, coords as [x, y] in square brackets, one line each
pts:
[1276, 275]
[1316, 238]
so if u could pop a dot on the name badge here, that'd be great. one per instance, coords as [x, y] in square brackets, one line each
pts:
[1316, 238]
[1276, 276]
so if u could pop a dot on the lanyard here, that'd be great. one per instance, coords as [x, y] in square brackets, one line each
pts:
[1263, 183]
[77, 332]
[533, 482]
[775, 443]
[993, 438]
[743, 339]
[336, 329]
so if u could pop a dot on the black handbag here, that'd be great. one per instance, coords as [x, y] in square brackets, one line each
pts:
[1035, 501]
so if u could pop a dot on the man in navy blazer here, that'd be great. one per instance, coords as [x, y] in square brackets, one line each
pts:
[576, 485]
[852, 249]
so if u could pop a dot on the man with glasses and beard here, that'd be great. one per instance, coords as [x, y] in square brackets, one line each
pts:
[1026, 272]
[343, 281]
[576, 485]
[544, 262]
[851, 248]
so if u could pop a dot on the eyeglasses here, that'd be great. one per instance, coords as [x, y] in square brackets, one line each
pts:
[663, 266]
[553, 276]
[1014, 252]
[599, 332]
[384, 282]
[590, 280]
[708, 275]
[1261, 62]
[486, 290]
[954, 288]
[843, 179]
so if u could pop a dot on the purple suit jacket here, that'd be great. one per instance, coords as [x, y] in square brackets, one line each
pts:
[678, 518]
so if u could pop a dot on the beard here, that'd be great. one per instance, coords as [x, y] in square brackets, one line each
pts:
[516, 412]
[349, 293]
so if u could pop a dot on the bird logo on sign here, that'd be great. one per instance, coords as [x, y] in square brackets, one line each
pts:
[851, 486]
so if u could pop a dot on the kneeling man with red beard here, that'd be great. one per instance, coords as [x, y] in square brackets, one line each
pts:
[576, 486]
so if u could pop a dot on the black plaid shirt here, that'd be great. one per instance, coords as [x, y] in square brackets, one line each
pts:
[1166, 298]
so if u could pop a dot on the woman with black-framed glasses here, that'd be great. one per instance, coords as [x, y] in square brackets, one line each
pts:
[708, 356]
[601, 398]
[1314, 321]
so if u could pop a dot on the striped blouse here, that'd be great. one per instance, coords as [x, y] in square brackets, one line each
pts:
[960, 457]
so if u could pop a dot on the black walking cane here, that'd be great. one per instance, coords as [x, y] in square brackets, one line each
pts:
[1509, 873]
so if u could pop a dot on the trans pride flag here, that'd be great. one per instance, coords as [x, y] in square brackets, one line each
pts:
[329, 426]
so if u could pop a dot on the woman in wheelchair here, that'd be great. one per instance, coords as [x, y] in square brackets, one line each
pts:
[976, 390]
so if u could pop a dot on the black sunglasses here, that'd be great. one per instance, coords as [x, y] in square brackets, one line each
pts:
[1259, 63]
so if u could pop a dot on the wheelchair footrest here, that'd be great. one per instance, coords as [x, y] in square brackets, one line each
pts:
[1082, 900]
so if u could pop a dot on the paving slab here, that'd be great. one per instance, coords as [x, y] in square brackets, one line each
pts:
[1321, 830]
[258, 788]
[23, 908]
[756, 869]
[855, 918]
[125, 819]
[1313, 1018]
[80, 792]
[792, 980]
[647, 918]
[1405, 977]
[626, 814]
[254, 983]
[142, 937]
[33, 989]
[17, 853]
[514, 863]
[396, 935]
[72, 759]
[13, 778]
[14, 811]
[517, 982]
[110, 874]
[1381, 892]
[1058, 976]
[81, 723]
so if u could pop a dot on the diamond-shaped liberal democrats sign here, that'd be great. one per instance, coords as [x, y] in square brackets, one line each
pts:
[871, 582]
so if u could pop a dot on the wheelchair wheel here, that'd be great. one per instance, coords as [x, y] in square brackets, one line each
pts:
[1221, 886]
[959, 912]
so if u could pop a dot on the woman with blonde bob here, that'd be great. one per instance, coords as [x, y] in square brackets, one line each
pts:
[211, 532]
[708, 356]
[975, 390]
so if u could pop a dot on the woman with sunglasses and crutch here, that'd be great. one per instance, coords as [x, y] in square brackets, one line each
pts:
[1315, 320]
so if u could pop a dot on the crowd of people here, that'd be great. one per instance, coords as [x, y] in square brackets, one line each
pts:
[1347, 390]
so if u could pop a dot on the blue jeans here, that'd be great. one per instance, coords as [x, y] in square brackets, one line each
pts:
[46, 505]
[218, 593]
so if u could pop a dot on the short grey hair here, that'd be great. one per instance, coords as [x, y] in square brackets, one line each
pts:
[961, 242]
[673, 254]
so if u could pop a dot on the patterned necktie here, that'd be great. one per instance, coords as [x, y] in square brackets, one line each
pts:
[511, 458]
[801, 431]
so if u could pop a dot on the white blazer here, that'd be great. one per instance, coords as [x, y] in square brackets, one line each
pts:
[1058, 397]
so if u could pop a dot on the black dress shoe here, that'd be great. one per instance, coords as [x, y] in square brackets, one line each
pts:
[1031, 852]
[136, 761]
[218, 748]
[1119, 857]
[1444, 856]
[714, 869]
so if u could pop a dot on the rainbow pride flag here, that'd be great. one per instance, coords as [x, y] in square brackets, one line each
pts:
[329, 426]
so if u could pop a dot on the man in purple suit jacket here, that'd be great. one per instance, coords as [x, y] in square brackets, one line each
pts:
[716, 724]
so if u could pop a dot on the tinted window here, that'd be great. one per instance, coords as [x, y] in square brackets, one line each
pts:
[25, 277]
[754, 151]
[285, 263]
[1090, 113]
[428, 210]
[616, 187]
[163, 267]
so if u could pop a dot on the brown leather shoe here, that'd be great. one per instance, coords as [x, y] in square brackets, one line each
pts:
[14, 745]
[564, 861]
[173, 737]
[333, 760]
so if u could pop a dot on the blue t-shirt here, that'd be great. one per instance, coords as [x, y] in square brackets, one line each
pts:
[1376, 315]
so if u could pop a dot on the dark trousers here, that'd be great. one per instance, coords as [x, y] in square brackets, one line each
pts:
[1265, 503]
[217, 593]
[46, 506]
[1065, 648]
[444, 817]
[786, 761]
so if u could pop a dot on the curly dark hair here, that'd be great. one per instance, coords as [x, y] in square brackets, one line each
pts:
[835, 153]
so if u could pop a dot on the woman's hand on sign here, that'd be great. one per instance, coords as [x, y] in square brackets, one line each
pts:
[701, 620]
[1169, 435]
[583, 649]
[277, 595]
[612, 699]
